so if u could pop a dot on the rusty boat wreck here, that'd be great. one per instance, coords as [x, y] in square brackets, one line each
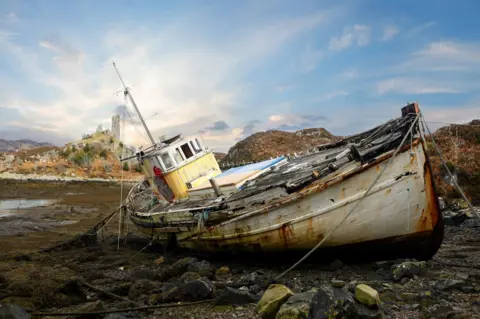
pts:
[371, 191]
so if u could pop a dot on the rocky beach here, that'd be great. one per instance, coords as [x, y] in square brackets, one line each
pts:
[90, 275]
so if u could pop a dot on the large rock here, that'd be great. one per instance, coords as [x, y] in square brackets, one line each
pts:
[189, 276]
[11, 311]
[367, 295]
[194, 290]
[231, 296]
[255, 278]
[142, 287]
[331, 302]
[223, 273]
[297, 306]
[178, 268]
[407, 269]
[204, 268]
[273, 298]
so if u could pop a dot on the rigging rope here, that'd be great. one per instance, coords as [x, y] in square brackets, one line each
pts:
[356, 205]
[454, 180]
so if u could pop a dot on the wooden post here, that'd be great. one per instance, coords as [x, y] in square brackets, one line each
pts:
[215, 187]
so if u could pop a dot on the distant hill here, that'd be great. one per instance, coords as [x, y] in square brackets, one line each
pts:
[13, 145]
[219, 156]
[263, 145]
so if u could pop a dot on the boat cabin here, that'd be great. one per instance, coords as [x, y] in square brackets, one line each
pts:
[177, 165]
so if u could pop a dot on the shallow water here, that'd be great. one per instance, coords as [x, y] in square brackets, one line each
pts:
[9, 206]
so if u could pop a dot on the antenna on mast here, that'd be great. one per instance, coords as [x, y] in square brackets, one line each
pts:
[127, 92]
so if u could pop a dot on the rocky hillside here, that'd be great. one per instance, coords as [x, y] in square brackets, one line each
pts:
[219, 156]
[13, 145]
[263, 145]
[463, 157]
[96, 155]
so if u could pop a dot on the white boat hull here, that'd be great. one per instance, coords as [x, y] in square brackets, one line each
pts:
[401, 206]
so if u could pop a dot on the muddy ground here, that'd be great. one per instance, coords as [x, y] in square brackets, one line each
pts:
[449, 286]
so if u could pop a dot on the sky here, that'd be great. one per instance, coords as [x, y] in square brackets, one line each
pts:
[227, 69]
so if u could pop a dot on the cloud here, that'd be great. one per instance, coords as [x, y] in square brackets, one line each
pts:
[298, 121]
[331, 95]
[389, 32]
[250, 128]
[6, 36]
[444, 56]
[440, 67]
[187, 74]
[359, 34]
[309, 59]
[9, 18]
[436, 116]
[349, 74]
[66, 55]
[218, 126]
[284, 88]
[288, 128]
[407, 85]
[415, 31]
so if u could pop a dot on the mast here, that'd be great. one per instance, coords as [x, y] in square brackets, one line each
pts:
[127, 92]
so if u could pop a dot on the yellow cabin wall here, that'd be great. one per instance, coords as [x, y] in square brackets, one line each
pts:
[178, 178]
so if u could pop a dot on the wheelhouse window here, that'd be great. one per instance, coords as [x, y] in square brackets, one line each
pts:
[186, 150]
[178, 156]
[167, 161]
[199, 143]
[196, 147]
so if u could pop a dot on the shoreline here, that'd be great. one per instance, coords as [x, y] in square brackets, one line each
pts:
[53, 178]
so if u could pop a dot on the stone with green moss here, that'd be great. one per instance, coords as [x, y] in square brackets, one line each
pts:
[297, 306]
[407, 269]
[367, 295]
[273, 298]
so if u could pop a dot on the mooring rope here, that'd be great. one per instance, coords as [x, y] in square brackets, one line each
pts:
[356, 205]
[459, 189]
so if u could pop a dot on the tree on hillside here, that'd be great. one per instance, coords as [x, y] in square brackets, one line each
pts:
[125, 166]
